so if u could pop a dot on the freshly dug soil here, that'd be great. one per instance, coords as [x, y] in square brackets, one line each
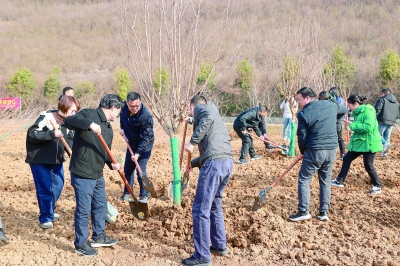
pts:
[363, 229]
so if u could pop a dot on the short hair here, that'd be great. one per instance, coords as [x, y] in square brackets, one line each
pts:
[110, 100]
[335, 91]
[323, 95]
[67, 89]
[66, 102]
[386, 91]
[132, 96]
[263, 108]
[356, 99]
[199, 98]
[306, 91]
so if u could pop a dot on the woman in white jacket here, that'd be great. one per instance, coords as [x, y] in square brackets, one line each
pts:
[287, 118]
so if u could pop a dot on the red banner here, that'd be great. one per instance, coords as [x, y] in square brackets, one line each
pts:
[10, 103]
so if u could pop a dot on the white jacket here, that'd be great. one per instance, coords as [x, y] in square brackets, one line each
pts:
[286, 109]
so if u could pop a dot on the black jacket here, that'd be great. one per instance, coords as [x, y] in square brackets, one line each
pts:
[210, 134]
[387, 109]
[88, 154]
[42, 146]
[317, 125]
[138, 129]
[250, 119]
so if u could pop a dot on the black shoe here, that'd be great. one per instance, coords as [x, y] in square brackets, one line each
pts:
[323, 216]
[242, 161]
[300, 216]
[192, 261]
[103, 241]
[255, 157]
[337, 183]
[3, 237]
[220, 252]
[269, 146]
[86, 250]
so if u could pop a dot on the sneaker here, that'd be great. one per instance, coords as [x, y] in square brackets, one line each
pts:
[3, 237]
[220, 252]
[56, 216]
[126, 197]
[375, 190]
[269, 146]
[46, 225]
[242, 161]
[300, 216]
[323, 216]
[193, 261]
[86, 250]
[383, 155]
[336, 183]
[256, 157]
[103, 241]
[341, 156]
[144, 199]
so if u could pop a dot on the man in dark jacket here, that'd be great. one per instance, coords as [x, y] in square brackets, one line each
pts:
[317, 140]
[86, 167]
[249, 120]
[216, 165]
[137, 125]
[387, 110]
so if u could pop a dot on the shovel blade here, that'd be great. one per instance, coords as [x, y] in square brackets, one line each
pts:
[170, 191]
[139, 210]
[185, 181]
[259, 200]
[149, 186]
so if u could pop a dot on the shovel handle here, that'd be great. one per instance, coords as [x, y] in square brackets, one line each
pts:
[396, 127]
[53, 123]
[115, 162]
[298, 158]
[132, 154]
[183, 144]
[269, 141]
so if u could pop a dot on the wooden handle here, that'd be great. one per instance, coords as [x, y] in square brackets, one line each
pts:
[183, 144]
[189, 159]
[69, 151]
[396, 127]
[115, 162]
[298, 158]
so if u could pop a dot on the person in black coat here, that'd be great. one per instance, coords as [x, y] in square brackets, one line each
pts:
[86, 167]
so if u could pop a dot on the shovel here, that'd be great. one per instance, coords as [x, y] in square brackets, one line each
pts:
[139, 210]
[263, 193]
[147, 183]
[53, 123]
[283, 147]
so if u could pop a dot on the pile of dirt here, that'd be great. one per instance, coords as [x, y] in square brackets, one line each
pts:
[363, 230]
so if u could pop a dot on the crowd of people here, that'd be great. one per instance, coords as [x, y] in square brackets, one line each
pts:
[319, 134]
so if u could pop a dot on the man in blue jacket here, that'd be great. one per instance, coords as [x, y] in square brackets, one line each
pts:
[216, 165]
[317, 140]
[387, 111]
[137, 125]
[86, 167]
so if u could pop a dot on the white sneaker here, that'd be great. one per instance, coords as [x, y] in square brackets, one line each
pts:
[386, 147]
[46, 225]
[56, 216]
[375, 190]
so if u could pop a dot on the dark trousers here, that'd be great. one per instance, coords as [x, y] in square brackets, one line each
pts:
[130, 167]
[208, 216]
[339, 129]
[247, 145]
[49, 182]
[90, 196]
[368, 159]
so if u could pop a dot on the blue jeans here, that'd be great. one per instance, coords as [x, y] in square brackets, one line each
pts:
[129, 169]
[49, 182]
[208, 217]
[385, 131]
[90, 197]
[321, 161]
[287, 128]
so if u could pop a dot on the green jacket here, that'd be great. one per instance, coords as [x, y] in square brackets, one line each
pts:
[366, 137]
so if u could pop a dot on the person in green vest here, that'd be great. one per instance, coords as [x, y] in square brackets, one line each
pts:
[365, 141]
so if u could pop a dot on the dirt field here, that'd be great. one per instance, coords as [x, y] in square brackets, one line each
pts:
[363, 230]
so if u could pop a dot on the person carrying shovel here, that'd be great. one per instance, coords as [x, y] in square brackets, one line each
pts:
[216, 166]
[317, 140]
[86, 167]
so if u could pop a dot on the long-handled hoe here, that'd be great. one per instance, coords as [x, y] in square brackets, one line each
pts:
[263, 193]
[283, 147]
[147, 183]
[139, 210]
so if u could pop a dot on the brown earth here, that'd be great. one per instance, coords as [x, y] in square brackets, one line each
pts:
[363, 230]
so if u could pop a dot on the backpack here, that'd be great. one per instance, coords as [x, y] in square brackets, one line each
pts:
[111, 213]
